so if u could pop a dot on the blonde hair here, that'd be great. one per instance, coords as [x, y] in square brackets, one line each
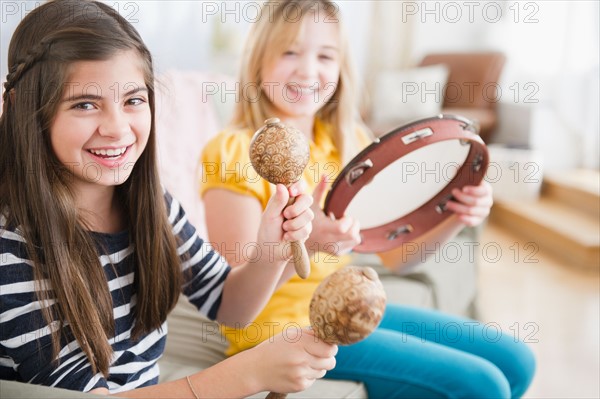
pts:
[276, 29]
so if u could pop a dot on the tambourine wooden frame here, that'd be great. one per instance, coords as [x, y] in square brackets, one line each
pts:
[388, 149]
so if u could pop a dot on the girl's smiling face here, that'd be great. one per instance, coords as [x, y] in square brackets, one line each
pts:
[302, 79]
[103, 122]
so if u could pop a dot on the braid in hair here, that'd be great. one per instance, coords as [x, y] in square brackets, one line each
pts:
[36, 54]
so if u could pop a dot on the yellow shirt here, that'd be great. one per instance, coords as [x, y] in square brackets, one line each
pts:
[226, 164]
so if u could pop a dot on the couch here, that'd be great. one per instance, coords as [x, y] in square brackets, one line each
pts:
[472, 86]
[191, 107]
[465, 84]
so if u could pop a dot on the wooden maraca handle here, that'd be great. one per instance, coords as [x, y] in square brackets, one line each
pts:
[301, 261]
[299, 254]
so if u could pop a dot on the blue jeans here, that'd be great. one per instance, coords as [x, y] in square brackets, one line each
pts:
[419, 353]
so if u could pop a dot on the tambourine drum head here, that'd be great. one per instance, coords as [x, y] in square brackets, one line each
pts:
[406, 184]
[397, 187]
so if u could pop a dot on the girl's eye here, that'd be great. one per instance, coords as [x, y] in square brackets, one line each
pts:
[84, 106]
[326, 57]
[289, 53]
[136, 101]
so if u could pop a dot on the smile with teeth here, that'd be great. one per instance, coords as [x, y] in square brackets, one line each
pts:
[302, 90]
[111, 153]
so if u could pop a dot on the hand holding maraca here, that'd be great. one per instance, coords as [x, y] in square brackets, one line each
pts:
[279, 154]
[346, 307]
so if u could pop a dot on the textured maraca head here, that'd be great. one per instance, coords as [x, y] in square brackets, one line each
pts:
[348, 305]
[279, 153]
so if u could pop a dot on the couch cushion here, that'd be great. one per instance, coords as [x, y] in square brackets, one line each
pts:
[187, 116]
[193, 339]
[402, 96]
[18, 390]
[328, 389]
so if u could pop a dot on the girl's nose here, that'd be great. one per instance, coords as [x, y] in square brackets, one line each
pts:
[114, 124]
[307, 67]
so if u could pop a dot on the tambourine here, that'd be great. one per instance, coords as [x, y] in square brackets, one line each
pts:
[398, 187]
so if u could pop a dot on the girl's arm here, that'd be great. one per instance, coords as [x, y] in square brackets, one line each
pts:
[232, 222]
[260, 246]
[224, 208]
[278, 365]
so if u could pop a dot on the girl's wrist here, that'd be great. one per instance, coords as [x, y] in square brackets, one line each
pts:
[247, 371]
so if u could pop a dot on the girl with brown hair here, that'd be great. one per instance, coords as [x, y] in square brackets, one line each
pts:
[94, 253]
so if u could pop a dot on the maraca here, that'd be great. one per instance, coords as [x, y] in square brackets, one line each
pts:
[346, 307]
[279, 154]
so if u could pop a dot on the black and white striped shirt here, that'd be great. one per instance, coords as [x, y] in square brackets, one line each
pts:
[25, 338]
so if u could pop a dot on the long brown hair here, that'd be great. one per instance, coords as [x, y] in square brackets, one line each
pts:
[275, 30]
[35, 191]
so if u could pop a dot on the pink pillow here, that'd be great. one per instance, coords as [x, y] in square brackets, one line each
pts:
[186, 118]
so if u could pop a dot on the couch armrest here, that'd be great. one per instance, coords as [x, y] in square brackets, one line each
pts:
[22, 390]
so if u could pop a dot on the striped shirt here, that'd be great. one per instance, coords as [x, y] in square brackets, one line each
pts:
[25, 338]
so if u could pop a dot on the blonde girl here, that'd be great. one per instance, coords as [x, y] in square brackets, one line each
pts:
[94, 253]
[296, 67]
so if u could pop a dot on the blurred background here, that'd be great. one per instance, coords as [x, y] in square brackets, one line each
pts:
[527, 72]
[545, 90]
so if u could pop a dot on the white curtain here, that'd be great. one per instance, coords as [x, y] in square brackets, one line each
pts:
[553, 48]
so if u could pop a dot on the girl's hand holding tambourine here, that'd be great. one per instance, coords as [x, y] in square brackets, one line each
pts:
[472, 204]
[331, 235]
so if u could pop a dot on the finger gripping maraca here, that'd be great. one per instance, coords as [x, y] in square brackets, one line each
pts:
[279, 154]
[346, 307]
